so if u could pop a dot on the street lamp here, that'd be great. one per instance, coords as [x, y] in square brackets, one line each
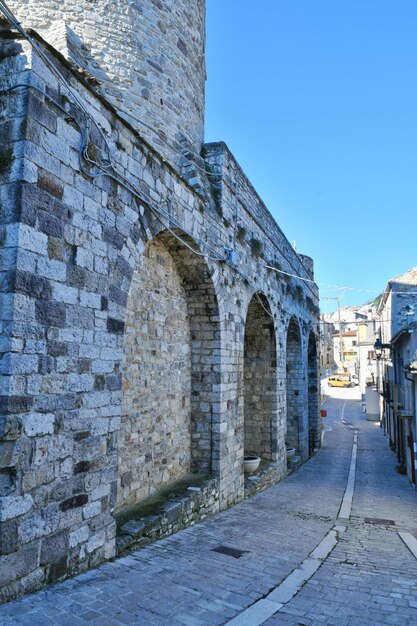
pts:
[379, 347]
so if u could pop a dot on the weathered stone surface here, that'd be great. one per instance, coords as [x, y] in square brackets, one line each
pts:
[39, 424]
[8, 537]
[18, 564]
[133, 354]
[74, 502]
[54, 547]
[133, 527]
[7, 481]
[14, 506]
[80, 535]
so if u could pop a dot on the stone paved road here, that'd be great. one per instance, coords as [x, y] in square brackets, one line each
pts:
[369, 578]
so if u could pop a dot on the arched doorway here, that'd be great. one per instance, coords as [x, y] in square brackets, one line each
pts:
[260, 381]
[313, 396]
[170, 380]
[295, 429]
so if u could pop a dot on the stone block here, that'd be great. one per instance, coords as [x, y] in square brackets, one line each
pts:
[80, 382]
[79, 536]
[39, 424]
[10, 430]
[33, 240]
[54, 547]
[81, 467]
[14, 506]
[31, 285]
[91, 300]
[13, 363]
[51, 184]
[92, 509]
[74, 502]
[20, 563]
[172, 511]
[64, 293]
[50, 313]
[7, 481]
[58, 569]
[8, 537]
[96, 541]
[115, 326]
[134, 528]
[50, 225]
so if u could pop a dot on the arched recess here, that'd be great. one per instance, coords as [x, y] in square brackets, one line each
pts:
[170, 372]
[313, 395]
[294, 366]
[260, 380]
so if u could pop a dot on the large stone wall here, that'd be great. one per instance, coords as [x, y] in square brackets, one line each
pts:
[155, 431]
[260, 381]
[146, 58]
[295, 377]
[77, 270]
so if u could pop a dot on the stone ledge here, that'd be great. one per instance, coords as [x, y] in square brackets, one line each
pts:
[267, 476]
[181, 511]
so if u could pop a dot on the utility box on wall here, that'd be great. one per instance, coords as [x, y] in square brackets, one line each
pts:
[372, 404]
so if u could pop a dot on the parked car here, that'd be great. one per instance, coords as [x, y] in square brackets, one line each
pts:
[340, 380]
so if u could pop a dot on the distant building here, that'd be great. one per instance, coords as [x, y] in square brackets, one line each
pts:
[353, 332]
[327, 362]
[367, 334]
[345, 346]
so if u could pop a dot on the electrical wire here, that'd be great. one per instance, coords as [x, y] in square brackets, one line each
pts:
[7, 12]
[263, 306]
[104, 166]
[13, 20]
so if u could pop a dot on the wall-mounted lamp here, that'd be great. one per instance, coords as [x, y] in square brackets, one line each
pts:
[379, 347]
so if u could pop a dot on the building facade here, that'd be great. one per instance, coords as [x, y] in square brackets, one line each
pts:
[397, 369]
[149, 328]
[367, 334]
[327, 362]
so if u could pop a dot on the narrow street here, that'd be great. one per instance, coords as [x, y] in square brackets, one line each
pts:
[363, 573]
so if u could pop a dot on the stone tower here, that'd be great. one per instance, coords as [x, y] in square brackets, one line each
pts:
[147, 56]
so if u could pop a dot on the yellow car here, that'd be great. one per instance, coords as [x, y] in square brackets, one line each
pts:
[339, 381]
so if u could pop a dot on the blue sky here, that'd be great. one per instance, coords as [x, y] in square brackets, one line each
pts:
[317, 100]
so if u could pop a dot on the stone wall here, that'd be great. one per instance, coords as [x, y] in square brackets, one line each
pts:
[194, 505]
[296, 400]
[155, 430]
[260, 380]
[77, 252]
[314, 431]
[146, 58]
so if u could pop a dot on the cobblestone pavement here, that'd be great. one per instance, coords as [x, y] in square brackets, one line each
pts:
[369, 578]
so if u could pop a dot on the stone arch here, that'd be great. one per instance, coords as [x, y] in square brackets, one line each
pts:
[260, 380]
[294, 387]
[313, 395]
[171, 373]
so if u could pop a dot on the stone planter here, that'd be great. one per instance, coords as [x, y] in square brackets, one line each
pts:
[251, 464]
[290, 453]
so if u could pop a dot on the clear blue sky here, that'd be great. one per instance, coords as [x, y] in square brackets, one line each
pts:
[317, 100]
